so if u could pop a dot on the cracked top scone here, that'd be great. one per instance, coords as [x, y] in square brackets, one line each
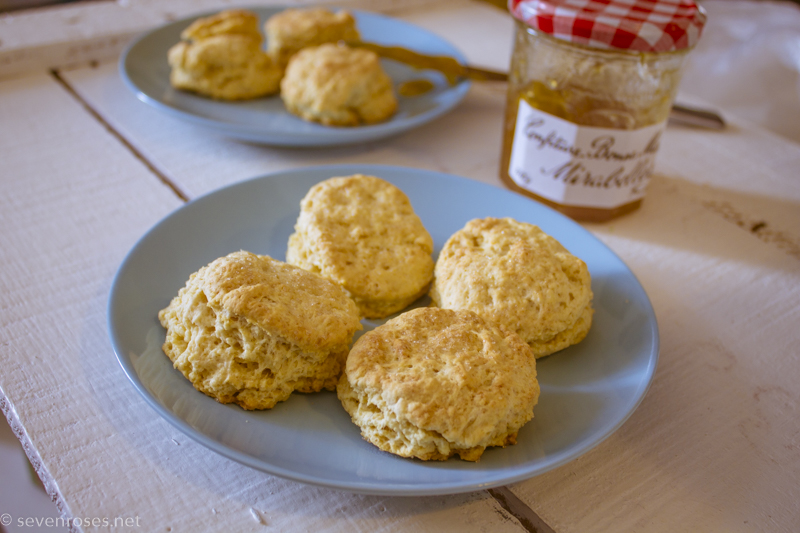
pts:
[433, 383]
[515, 275]
[362, 233]
[291, 30]
[336, 85]
[221, 57]
[229, 22]
[250, 330]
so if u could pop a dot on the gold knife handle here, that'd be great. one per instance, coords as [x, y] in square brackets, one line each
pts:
[447, 65]
[482, 74]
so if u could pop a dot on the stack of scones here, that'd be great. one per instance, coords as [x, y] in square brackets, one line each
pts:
[449, 379]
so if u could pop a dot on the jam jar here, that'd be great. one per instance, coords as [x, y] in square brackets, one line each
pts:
[590, 89]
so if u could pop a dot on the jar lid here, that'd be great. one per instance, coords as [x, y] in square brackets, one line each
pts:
[637, 25]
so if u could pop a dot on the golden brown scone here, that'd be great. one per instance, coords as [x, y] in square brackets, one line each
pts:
[229, 22]
[291, 30]
[432, 383]
[221, 57]
[362, 233]
[250, 330]
[337, 85]
[515, 275]
[227, 67]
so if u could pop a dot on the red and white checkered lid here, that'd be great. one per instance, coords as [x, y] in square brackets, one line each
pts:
[637, 25]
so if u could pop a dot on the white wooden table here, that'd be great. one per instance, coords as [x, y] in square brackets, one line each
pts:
[87, 169]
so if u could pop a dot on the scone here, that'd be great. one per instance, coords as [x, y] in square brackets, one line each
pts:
[291, 30]
[336, 85]
[221, 57]
[433, 383]
[514, 274]
[250, 330]
[229, 22]
[361, 232]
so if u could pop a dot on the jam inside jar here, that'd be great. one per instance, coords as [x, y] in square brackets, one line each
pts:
[582, 124]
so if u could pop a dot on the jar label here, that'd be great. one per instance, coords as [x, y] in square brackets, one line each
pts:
[581, 165]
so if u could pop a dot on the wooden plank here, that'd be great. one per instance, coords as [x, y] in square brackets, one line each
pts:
[714, 446]
[81, 33]
[199, 162]
[717, 237]
[56, 262]
[715, 244]
[68, 219]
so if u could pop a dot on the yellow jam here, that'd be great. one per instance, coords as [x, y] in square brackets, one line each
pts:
[588, 87]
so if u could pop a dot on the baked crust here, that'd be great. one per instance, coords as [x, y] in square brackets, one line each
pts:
[336, 85]
[361, 232]
[291, 30]
[228, 22]
[221, 57]
[514, 274]
[433, 383]
[250, 330]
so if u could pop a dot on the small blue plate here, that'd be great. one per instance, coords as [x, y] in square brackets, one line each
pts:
[144, 69]
[587, 390]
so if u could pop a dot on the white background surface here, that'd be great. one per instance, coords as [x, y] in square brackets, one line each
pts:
[747, 64]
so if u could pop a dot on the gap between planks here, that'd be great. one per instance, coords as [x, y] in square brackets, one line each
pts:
[136, 153]
[526, 517]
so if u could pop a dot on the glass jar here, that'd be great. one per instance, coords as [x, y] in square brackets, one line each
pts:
[583, 123]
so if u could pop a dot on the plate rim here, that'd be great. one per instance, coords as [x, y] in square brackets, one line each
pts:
[371, 487]
[247, 132]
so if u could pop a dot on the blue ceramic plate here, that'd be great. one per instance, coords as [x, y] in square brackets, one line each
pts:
[587, 390]
[144, 69]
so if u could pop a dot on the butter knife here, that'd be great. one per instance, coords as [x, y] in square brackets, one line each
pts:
[454, 70]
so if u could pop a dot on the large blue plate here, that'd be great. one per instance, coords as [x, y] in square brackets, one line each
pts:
[144, 69]
[587, 390]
